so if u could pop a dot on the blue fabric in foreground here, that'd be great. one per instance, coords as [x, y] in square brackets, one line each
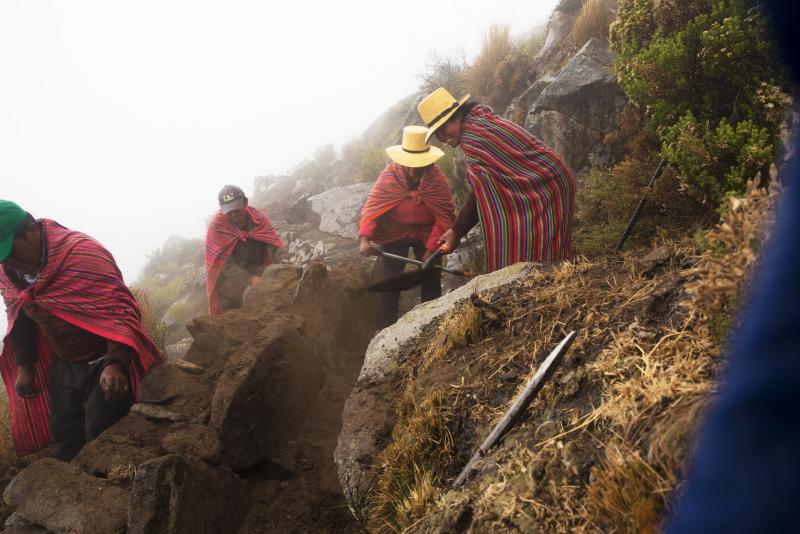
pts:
[745, 475]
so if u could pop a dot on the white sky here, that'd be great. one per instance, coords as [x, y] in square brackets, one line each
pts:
[123, 119]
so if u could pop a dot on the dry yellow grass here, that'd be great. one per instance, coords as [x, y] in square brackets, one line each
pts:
[496, 47]
[122, 473]
[608, 454]
[593, 20]
[412, 463]
[152, 324]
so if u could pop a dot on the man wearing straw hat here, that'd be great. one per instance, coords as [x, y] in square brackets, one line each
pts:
[522, 191]
[409, 207]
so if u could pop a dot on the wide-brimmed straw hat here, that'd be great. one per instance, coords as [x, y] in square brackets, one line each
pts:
[437, 107]
[415, 150]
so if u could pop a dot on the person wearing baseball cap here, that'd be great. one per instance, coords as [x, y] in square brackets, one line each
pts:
[75, 350]
[239, 246]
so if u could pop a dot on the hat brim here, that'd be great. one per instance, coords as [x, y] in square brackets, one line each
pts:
[436, 125]
[5, 247]
[414, 160]
[233, 205]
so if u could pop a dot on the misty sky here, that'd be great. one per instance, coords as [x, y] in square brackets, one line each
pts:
[124, 119]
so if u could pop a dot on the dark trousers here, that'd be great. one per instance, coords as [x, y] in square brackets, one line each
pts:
[388, 303]
[79, 411]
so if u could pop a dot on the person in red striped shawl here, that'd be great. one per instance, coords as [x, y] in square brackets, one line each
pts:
[75, 350]
[522, 191]
[409, 207]
[239, 246]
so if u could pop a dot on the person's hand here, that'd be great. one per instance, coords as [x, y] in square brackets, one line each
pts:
[113, 382]
[450, 239]
[365, 248]
[256, 281]
[23, 385]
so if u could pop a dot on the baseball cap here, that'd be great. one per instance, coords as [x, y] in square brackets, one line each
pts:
[10, 217]
[231, 198]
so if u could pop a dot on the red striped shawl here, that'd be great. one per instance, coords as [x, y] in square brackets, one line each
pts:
[525, 191]
[81, 285]
[392, 188]
[221, 239]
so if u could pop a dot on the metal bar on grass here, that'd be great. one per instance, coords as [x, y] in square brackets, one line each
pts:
[638, 213]
[519, 405]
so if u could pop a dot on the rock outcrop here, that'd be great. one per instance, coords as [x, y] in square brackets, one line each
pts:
[339, 209]
[582, 104]
[209, 431]
[368, 415]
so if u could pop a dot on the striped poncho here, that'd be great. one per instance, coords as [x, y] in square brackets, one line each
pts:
[524, 190]
[221, 239]
[79, 284]
[392, 188]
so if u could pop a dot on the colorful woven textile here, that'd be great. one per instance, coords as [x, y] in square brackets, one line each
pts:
[525, 191]
[79, 284]
[221, 239]
[391, 189]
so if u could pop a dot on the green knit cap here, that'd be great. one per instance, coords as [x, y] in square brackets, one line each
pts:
[10, 217]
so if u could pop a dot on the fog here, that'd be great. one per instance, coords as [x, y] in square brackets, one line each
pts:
[124, 119]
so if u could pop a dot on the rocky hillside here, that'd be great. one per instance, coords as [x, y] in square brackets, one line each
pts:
[293, 415]
[604, 444]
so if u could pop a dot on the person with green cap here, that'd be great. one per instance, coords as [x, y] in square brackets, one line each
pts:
[75, 349]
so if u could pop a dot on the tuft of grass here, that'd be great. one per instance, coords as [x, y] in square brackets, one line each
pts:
[122, 473]
[152, 323]
[628, 492]
[459, 328]
[497, 46]
[412, 464]
[594, 20]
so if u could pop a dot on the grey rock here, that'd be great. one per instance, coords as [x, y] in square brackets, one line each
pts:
[558, 28]
[64, 500]
[339, 209]
[177, 495]
[580, 106]
[379, 359]
[368, 413]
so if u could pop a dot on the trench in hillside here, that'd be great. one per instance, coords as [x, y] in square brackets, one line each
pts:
[300, 491]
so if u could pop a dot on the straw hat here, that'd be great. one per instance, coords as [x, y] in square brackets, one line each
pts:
[437, 107]
[415, 150]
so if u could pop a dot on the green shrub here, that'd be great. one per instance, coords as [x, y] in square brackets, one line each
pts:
[719, 160]
[373, 161]
[705, 74]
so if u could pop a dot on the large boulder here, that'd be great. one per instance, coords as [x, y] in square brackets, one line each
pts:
[65, 500]
[339, 209]
[263, 395]
[368, 414]
[580, 106]
[177, 495]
